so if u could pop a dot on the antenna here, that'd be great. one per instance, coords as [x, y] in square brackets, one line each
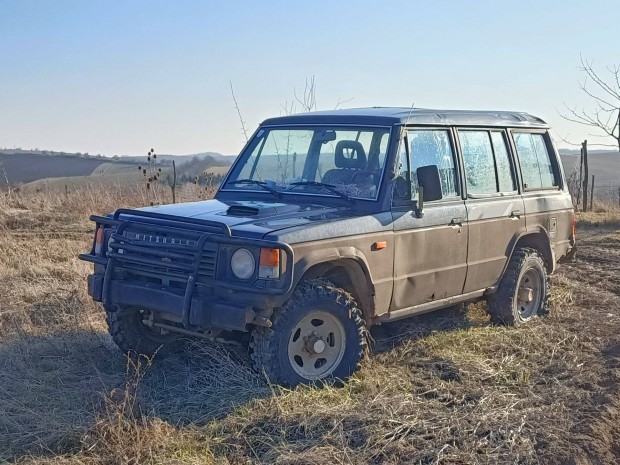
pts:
[410, 111]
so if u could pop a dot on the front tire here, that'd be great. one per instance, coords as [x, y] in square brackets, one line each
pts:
[319, 335]
[131, 335]
[523, 292]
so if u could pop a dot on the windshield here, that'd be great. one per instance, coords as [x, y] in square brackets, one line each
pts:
[344, 162]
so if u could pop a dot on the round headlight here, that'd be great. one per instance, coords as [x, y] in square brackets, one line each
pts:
[242, 264]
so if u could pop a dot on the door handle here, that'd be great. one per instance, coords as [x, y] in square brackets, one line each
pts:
[458, 221]
[515, 214]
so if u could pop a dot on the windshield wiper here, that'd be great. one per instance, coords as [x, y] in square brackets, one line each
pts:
[329, 187]
[262, 184]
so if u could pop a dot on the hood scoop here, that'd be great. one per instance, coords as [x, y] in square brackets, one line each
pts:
[242, 210]
[259, 209]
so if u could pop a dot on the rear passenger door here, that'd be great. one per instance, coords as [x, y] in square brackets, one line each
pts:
[495, 211]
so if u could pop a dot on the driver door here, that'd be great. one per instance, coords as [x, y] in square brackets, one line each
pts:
[430, 261]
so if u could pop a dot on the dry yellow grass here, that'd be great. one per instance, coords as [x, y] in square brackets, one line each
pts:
[441, 388]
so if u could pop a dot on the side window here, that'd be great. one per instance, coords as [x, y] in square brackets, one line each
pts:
[547, 175]
[505, 176]
[433, 147]
[479, 163]
[536, 167]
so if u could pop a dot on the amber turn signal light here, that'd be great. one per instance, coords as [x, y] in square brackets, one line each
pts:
[379, 245]
[99, 240]
[269, 257]
[269, 264]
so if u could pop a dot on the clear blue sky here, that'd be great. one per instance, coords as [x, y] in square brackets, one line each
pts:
[121, 77]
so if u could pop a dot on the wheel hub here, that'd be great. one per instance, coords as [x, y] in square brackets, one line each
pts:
[316, 345]
[529, 293]
[526, 294]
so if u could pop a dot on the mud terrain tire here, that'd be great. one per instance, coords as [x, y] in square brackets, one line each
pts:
[318, 316]
[134, 337]
[525, 279]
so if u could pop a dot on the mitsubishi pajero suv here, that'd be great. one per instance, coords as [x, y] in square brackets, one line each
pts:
[331, 222]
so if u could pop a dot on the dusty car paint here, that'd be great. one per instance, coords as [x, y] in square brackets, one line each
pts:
[456, 251]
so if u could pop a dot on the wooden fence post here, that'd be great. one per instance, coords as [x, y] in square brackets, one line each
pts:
[174, 182]
[592, 193]
[584, 147]
[580, 183]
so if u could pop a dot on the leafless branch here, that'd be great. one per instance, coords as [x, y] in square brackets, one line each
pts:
[243, 129]
[584, 88]
[341, 101]
[602, 145]
[565, 140]
[308, 102]
[606, 95]
[586, 67]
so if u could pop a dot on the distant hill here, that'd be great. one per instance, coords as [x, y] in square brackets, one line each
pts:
[218, 158]
[26, 166]
[605, 166]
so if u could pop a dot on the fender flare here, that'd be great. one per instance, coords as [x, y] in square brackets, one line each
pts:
[349, 259]
[538, 239]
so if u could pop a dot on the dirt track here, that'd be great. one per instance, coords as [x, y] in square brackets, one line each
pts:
[595, 279]
[598, 259]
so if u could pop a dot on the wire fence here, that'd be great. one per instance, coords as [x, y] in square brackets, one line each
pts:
[601, 197]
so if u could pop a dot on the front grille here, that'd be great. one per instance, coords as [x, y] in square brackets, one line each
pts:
[165, 256]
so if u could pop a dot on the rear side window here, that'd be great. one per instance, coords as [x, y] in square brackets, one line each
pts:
[536, 166]
[487, 164]
[433, 147]
[479, 164]
[505, 176]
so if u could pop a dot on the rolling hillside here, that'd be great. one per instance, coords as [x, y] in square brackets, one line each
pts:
[605, 166]
[36, 169]
[22, 168]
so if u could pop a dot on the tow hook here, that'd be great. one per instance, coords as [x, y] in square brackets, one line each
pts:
[262, 321]
[570, 255]
[262, 318]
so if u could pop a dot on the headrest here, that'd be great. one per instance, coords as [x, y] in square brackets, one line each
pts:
[350, 154]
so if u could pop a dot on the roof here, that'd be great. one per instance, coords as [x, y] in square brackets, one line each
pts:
[402, 115]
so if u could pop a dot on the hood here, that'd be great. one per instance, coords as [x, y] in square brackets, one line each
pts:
[254, 219]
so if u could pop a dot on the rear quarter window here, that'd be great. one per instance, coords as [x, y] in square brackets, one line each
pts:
[537, 168]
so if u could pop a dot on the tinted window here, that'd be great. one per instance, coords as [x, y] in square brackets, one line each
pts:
[536, 167]
[478, 160]
[502, 160]
[433, 147]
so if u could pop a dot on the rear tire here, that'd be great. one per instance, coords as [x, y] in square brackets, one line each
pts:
[523, 292]
[319, 335]
[131, 335]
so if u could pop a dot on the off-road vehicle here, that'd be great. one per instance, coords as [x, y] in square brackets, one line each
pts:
[330, 222]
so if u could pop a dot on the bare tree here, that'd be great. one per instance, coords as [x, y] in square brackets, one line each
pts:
[606, 94]
[307, 101]
[243, 129]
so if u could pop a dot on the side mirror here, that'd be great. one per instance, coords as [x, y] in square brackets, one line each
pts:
[429, 184]
[327, 135]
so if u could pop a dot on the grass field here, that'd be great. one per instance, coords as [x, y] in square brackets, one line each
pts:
[444, 388]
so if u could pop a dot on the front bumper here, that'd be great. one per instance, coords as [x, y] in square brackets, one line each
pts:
[170, 278]
[203, 311]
